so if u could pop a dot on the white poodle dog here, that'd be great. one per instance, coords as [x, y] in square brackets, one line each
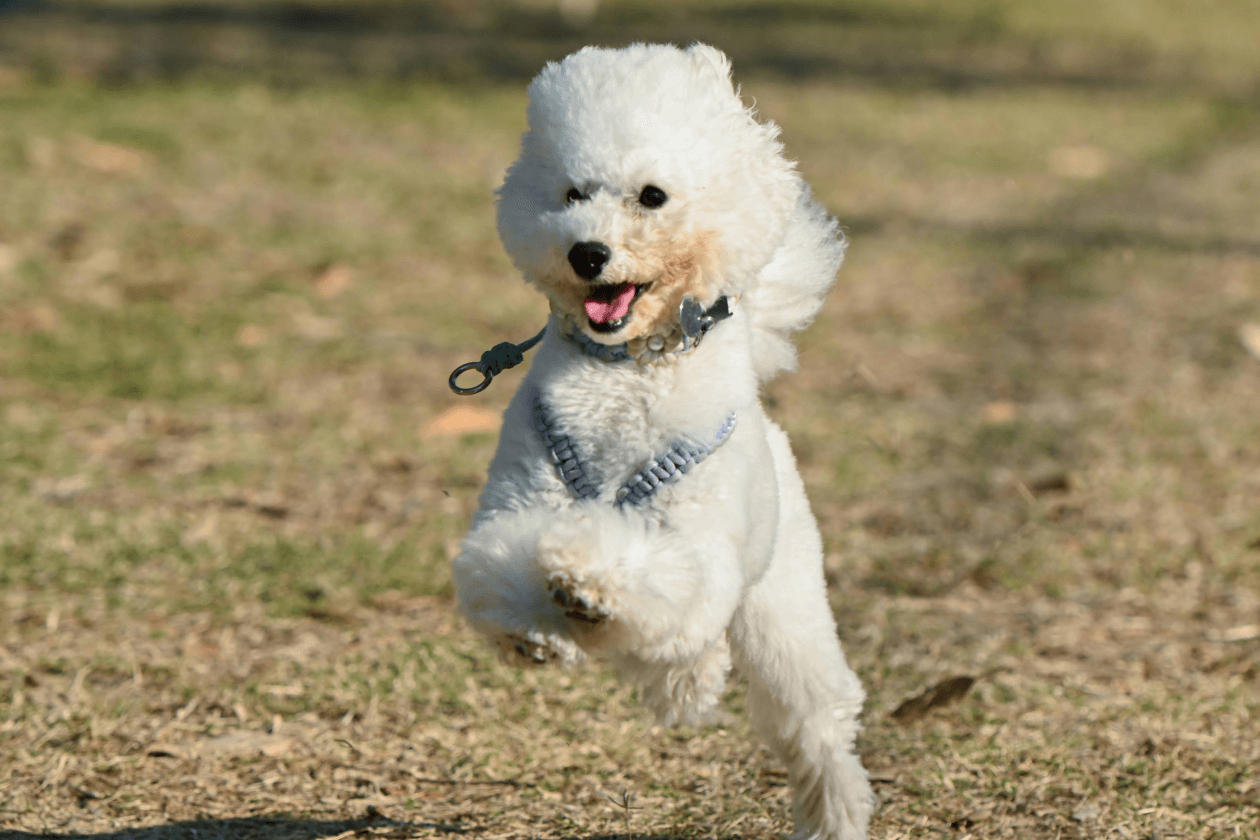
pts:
[641, 505]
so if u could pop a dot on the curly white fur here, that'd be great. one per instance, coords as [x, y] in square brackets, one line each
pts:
[725, 563]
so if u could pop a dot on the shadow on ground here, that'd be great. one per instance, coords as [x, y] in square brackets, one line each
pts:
[248, 828]
[277, 828]
[296, 43]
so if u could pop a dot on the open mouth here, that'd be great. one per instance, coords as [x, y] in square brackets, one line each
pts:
[608, 307]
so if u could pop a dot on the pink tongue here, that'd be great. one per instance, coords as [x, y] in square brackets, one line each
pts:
[603, 311]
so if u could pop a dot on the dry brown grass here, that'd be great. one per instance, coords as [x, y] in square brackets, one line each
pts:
[231, 476]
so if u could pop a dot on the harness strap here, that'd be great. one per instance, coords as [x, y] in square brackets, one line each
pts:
[677, 460]
[564, 455]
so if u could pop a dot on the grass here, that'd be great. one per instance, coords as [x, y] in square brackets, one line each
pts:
[242, 245]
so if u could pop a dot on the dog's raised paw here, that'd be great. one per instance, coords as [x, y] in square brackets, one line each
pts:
[577, 605]
[526, 651]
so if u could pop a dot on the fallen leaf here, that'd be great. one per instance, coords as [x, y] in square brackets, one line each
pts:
[68, 240]
[228, 745]
[251, 336]
[1085, 812]
[1051, 481]
[1080, 162]
[107, 157]
[316, 327]
[8, 258]
[577, 13]
[37, 319]
[329, 616]
[461, 420]
[14, 78]
[963, 822]
[61, 489]
[42, 152]
[1249, 335]
[1241, 633]
[167, 751]
[942, 694]
[999, 412]
[333, 280]
[202, 532]
[244, 742]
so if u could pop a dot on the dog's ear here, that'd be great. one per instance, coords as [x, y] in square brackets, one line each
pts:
[711, 62]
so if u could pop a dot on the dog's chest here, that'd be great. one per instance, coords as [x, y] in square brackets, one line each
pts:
[610, 426]
[613, 430]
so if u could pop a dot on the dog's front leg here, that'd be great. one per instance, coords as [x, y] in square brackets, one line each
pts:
[628, 584]
[503, 591]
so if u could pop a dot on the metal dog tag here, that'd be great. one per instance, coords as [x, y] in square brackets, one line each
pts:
[694, 320]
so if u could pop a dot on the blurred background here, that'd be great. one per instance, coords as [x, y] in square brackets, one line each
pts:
[242, 245]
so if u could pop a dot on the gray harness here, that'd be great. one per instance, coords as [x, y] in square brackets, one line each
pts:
[583, 483]
[676, 460]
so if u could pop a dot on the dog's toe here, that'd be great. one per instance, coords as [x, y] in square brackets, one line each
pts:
[576, 606]
[531, 652]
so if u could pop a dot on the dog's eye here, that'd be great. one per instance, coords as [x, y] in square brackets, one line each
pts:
[652, 196]
[574, 194]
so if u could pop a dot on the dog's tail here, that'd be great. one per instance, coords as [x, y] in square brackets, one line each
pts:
[793, 285]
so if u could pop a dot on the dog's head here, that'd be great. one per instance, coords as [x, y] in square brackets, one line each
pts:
[642, 178]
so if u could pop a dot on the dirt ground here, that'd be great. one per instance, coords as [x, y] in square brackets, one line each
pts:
[243, 244]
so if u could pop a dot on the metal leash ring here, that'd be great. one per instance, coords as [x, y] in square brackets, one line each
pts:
[476, 389]
[497, 359]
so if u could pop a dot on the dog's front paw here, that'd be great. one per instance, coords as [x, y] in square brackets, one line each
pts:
[585, 581]
[578, 602]
[517, 650]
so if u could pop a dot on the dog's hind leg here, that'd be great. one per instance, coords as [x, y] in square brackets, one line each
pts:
[684, 692]
[804, 700]
[803, 697]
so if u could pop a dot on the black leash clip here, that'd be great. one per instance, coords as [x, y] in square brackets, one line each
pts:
[494, 361]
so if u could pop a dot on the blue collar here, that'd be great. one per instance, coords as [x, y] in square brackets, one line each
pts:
[694, 322]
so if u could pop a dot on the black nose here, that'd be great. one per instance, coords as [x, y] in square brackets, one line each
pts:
[588, 259]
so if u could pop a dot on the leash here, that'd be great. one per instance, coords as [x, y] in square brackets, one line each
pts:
[694, 319]
[494, 361]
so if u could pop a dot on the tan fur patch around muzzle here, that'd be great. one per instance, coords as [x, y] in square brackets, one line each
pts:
[670, 269]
